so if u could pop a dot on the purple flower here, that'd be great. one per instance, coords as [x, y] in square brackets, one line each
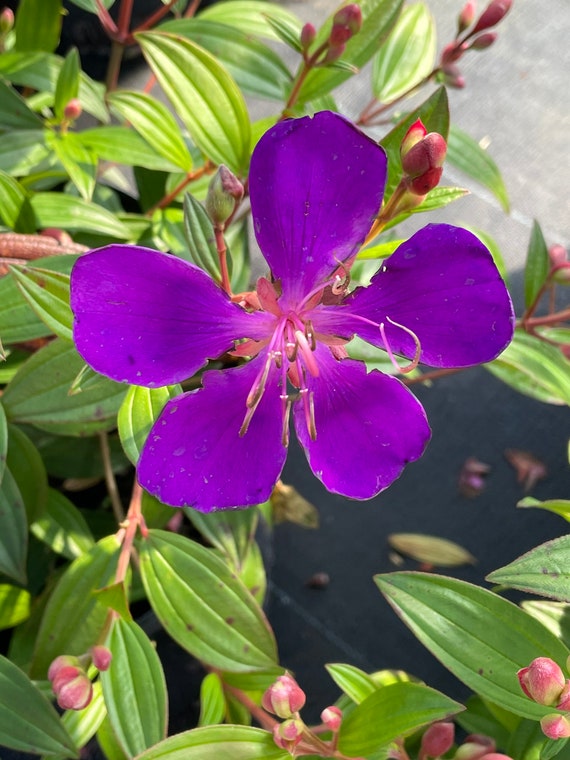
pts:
[152, 319]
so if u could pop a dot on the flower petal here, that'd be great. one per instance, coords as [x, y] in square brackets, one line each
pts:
[443, 285]
[194, 455]
[315, 185]
[369, 426]
[149, 318]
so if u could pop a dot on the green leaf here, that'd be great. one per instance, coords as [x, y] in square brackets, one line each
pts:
[239, 259]
[355, 683]
[543, 571]
[558, 506]
[14, 605]
[553, 615]
[434, 113]
[535, 368]
[73, 214]
[154, 122]
[379, 250]
[203, 605]
[124, 146]
[79, 162]
[29, 472]
[39, 394]
[15, 209]
[407, 56]
[217, 742]
[252, 17]
[14, 111]
[439, 197]
[13, 530]
[256, 69]
[229, 531]
[134, 689]
[28, 722]
[3, 441]
[392, 712]
[22, 151]
[74, 616]
[286, 32]
[204, 96]
[139, 411]
[63, 527]
[212, 700]
[91, 5]
[378, 19]
[480, 637]
[67, 86]
[47, 292]
[38, 25]
[478, 718]
[200, 238]
[466, 154]
[537, 265]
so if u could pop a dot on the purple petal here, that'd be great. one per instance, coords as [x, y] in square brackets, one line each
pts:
[315, 185]
[149, 318]
[368, 427]
[194, 455]
[443, 285]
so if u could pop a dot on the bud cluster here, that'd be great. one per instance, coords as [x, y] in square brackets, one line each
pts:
[346, 22]
[422, 154]
[438, 739]
[471, 34]
[543, 681]
[70, 683]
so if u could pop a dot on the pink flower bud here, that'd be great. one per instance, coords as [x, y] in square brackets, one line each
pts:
[475, 747]
[61, 662]
[428, 153]
[466, 17]
[6, 21]
[284, 698]
[339, 35]
[452, 76]
[430, 179]
[496, 756]
[334, 53]
[414, 134]
[224, 191]
[349, 16]
[558, 254]
[72, 110]
[452, 52]
[308, 34]
[101, 657]
[493, 13]
[483, 41]
[555, 726]
[332, 717]
[438, 739]
[542, 681]
[288, 734]
[75, 693]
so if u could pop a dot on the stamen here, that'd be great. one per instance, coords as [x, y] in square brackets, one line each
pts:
[256, 394]
[309, 408]
[287, 403]
[415, 361]
[306, 353]
[310, 335]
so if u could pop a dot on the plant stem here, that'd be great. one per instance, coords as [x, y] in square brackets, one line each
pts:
[208, 168]
[128, 531]
[223, 257]
[548, 319]
[307, 65]
[112, 489]
[369, 112]
[154, 18]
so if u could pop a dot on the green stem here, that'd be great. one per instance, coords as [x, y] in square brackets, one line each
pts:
[369, 112]
[110, 481]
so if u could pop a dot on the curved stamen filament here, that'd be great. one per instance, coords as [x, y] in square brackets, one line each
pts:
[415, 361]
[307, 353]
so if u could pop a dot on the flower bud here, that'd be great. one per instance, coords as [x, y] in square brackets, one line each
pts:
[284, 698]
[61, 662]
[496, 756]
[288, 734]
[334, 52]
[101, 657]
[452, 76]
[350, 16]
[483, 41]
[466, 17]
[332, 717]
[428, 153]
[308, 34]
[555, 726]
[542, 681]
[493, 13]
[339, 35]
[452, 52]
[437, 739]
[414, 134]
[224, 191]
[475, 747]
[6, 21]
[558, 255]
[74, 693]
[72, 110]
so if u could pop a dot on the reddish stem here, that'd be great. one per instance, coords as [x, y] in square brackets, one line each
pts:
[153, 19]
[208, 168]
[223, 256]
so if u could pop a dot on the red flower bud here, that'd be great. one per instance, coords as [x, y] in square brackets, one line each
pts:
[72, 110]
[555, 726]
[332, 717]
[452, 52]
[452, 76]
[308, 34]
[61, 662]
[483, 41]
[493, 13]
[428, 153]
[224, 191]
[101, 657]
[339, 35]
[414, 134]
[349, 16]
[6, 21]
[438, 739]
[75, 693]
[496, 756]
[334, 53]
[288, 734]
[466, 17]
[422, 185]
[558, 254]
[284, 698]
[542, 681]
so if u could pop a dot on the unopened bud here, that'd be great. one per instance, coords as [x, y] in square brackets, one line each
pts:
[493, 13]
[308, 34]
[339, 35]
[224, 191]
[555, 726]
[452, 76]
[414, 134]
[483, 41]
[561, 275]
[61, 662]
[6, 21]
[452, 52]
[422, 185]
[466, 17]
[437, 739]
[542, 681]
[101, 657]
[75, 693]
[349, 16]
[496, 756]
[72, 110]
[332, 717]
[334, 52]
[558, 254]
[475, 747]
[284, 698]
[288, 734]
[428, 153]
